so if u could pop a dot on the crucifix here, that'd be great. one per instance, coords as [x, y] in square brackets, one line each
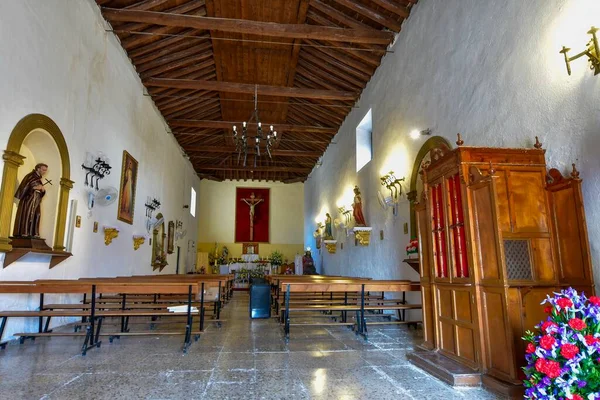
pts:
[252, 202]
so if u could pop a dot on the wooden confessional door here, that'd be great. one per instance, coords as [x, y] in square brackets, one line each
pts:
[497, 345]
[455, 311]
[571, 239]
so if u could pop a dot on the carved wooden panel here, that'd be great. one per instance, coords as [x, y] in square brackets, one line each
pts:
[528, 201]
[438, 228]
[543, 260]
[428, 321]
[502, 201]
[485, 227]
[465, 341]
[568, 212]
[498, 346]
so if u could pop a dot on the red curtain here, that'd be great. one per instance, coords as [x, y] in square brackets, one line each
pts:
[261, 215]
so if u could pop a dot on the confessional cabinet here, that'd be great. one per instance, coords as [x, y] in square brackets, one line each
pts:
[497, 233]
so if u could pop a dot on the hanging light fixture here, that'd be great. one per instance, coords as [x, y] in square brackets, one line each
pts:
[241, 142]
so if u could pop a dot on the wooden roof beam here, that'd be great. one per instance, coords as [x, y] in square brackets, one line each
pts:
[200, 167]
[365, 12]
[228, 124]
[271, 29]
[231, 149]
[247, 88]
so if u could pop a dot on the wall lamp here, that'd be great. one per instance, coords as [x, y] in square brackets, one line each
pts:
[415, 134]
[592, 51]
[393, 184]
[95, 168]
[346, 213]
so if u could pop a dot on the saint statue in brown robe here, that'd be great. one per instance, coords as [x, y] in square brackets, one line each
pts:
[30, 193]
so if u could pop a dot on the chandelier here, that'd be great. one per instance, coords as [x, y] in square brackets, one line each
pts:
[241, 142]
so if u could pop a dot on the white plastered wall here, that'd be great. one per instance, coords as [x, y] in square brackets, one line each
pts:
[488, 69]
[59, 61]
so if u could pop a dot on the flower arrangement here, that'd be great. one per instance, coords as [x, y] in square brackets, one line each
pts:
[412, 247]
[563, 359]
[276, 258]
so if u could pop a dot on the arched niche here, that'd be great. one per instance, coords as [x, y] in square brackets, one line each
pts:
[13, 159]
[439, 145]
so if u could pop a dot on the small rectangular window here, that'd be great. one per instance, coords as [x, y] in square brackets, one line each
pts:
[193, 203]
[364, 143]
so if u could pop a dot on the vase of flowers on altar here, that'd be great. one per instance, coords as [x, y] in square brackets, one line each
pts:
[412, 249]
[563, 356]
[276, 259]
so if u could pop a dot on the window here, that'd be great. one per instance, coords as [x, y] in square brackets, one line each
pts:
[364, 146]
[193, 203]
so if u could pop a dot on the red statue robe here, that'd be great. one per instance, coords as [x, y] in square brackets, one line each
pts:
[27, 222]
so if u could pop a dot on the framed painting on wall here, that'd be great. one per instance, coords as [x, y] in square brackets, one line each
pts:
[171, 238]
[129, 172]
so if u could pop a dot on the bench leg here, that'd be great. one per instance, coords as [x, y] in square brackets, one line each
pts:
[41, 319]
[96, 342]
[188, 328]
[47, 324]
[88, 339]
[2, 326]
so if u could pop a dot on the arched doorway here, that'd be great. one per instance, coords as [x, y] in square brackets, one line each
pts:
[435, 144]
[13, 160]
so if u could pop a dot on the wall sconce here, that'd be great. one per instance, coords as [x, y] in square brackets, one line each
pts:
[110, 233]
[152, 205]
[393, 184]
[592, 51]
[415, 134]
[346, 213]
[138, 241]
[96, 168]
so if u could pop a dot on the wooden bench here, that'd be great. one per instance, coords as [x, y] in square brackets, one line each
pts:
[360, 286]
[95, 316]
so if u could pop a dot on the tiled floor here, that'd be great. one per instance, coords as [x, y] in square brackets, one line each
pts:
[244, 359]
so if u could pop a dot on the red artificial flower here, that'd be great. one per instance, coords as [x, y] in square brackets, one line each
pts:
[530, 348]
[548, 367]
[552, 369]
[577, 397]
[547, 341]
[577, 324]
[547, 324]
[569, 350]
[548, 309]
[594, 300]
[563, 302]
[590, 340]
[540, 365]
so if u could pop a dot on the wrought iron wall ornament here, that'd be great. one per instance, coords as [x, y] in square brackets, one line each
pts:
[241, 142]
[592, 51]
[97, 167]
[152, 204]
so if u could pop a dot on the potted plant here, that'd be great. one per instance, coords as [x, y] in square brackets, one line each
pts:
[276, 259]
[563, 355]
[412, 249]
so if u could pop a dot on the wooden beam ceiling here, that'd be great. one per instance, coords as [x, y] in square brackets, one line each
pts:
[202, 60]
[291, 31]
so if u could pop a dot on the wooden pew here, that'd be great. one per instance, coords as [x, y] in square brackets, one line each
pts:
[95, 316]
[361, 286]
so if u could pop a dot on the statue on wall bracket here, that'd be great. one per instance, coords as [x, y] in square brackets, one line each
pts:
[30, 192]
[357, 213]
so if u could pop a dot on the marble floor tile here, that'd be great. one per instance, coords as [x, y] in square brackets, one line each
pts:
[242, 359]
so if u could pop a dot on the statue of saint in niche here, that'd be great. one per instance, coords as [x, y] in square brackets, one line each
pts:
[30, 194]
[328, 230]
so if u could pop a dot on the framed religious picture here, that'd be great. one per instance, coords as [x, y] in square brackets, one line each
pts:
[171, 238]
[129, 172]
[252, 215]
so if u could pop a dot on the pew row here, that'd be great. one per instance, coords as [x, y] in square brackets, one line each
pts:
[355, 299]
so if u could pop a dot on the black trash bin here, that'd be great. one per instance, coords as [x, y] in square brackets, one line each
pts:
[260, 299]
